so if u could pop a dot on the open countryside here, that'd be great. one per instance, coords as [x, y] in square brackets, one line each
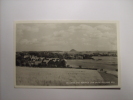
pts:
[38, 71]
[63, 54]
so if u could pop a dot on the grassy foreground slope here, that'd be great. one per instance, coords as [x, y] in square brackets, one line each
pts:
[59, 77]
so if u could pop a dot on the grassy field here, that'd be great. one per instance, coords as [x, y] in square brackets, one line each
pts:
[71, 76]
[107, 63]
[60, 77]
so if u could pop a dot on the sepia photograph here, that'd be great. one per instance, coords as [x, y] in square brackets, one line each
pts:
[67, 54]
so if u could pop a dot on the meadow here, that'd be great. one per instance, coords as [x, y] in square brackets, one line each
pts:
[107, 63]
[74, 76]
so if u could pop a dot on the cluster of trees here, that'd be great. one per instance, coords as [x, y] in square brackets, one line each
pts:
[46, 54]
[39, 58]
[26, 58]
[43, 63]
[21, 60]
[104, 54]
[65, 55]
[55, 55]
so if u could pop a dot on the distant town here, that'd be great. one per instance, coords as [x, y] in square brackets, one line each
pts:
[42, 58]
[72, 54]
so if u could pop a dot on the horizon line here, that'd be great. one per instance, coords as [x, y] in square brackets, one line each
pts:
[65, 51]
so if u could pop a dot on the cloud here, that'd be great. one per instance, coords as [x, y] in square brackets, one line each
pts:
[71, 29]
[82, 27]
[103, 27]
[86, 27]
[88, 31]
[60, 33]
[34, 41]
[21, 28]
[50, 25]
[25, 41]
[66, 36]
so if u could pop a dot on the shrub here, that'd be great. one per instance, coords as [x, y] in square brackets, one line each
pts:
[80, 66]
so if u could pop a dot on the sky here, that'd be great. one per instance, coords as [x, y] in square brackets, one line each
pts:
[66, 36]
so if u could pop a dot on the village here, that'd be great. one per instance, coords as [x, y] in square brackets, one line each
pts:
[55, 58]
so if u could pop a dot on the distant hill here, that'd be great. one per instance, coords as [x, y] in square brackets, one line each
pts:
[73, 50]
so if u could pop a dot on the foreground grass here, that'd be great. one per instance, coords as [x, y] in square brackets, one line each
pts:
[109, 77]
[59, 77]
